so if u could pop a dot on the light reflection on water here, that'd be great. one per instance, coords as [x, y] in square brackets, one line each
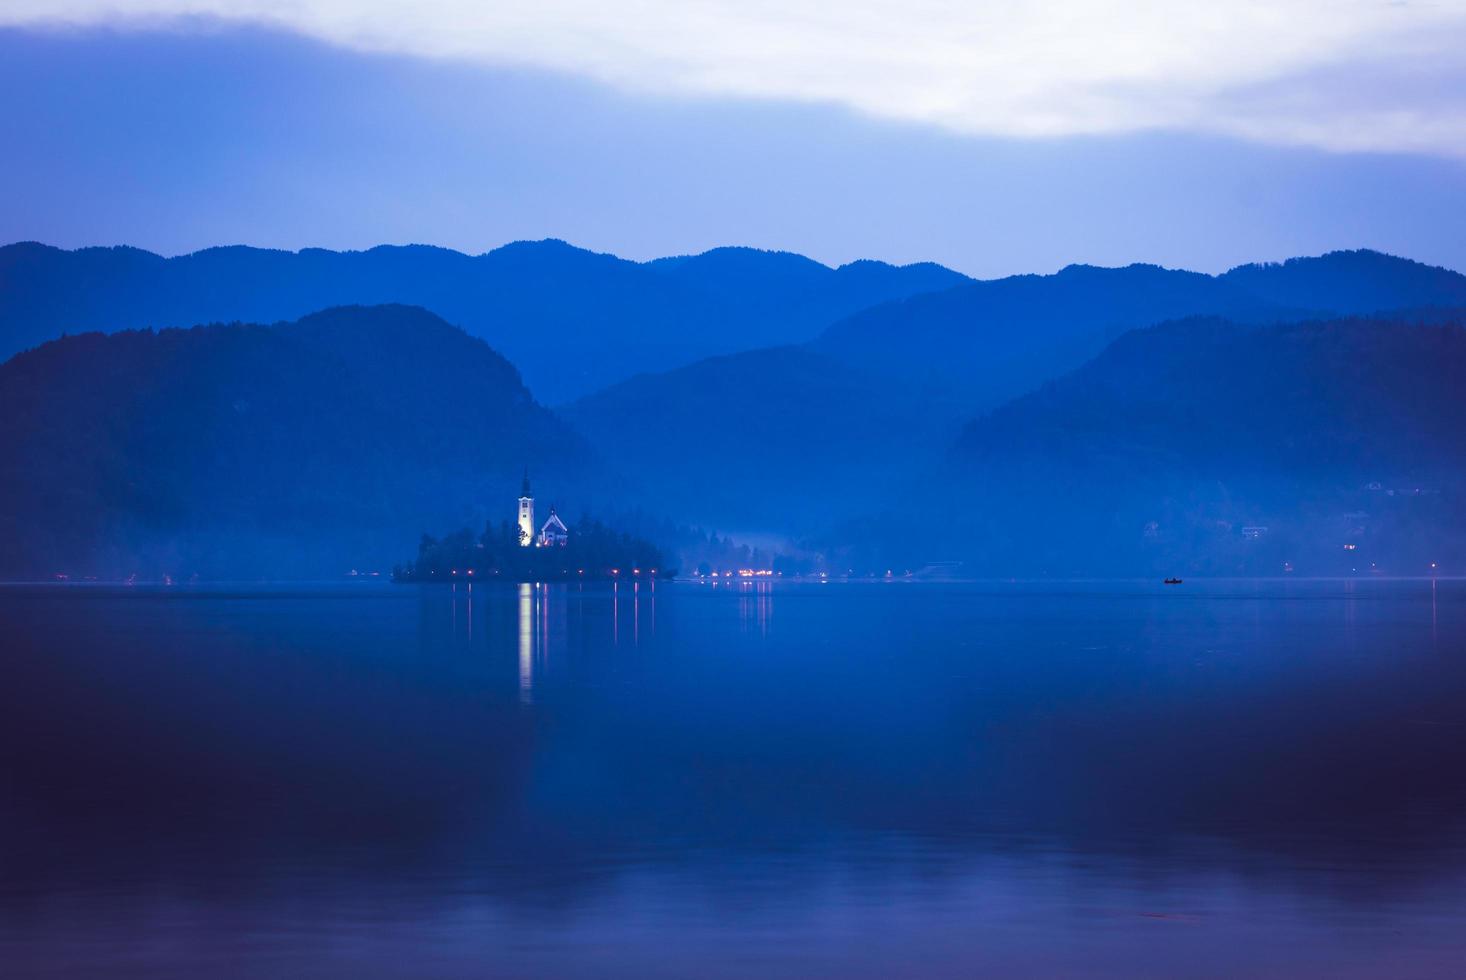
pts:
[643, 778]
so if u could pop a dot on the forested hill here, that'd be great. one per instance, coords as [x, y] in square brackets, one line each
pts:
[989, 341]
[283, 451]
[1160, 450]
[570, 319]
[783, 438]
[302, 447]
[1347, 400]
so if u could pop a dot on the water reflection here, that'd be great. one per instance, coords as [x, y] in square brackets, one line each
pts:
[633, 605]
[528, 635]
[1019, 780]
[529, 625]
[756, 606]
[542, 611]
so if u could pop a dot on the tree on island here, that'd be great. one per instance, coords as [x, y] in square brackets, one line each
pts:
[592, 550]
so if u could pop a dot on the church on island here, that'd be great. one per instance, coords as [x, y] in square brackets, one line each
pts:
[552, 534]
[528, 552]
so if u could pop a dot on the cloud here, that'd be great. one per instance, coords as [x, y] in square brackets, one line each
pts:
[1335, 74]
[176, 141]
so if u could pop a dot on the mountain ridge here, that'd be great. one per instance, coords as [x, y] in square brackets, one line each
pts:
[573, 320]
[822, 432]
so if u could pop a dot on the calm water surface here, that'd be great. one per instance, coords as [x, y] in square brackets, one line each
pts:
[1220, 779]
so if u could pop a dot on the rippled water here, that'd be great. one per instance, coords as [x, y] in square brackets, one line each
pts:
[1216, 779]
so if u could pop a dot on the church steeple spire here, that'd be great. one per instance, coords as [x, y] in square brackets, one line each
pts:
[526, 513]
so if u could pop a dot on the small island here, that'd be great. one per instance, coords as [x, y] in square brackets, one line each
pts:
[517, 552]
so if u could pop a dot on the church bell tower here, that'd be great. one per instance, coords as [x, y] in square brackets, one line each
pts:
[526, 514]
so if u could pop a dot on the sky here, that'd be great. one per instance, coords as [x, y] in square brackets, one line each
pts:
[995, 138]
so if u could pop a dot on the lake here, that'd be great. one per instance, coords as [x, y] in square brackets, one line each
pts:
[773, 779]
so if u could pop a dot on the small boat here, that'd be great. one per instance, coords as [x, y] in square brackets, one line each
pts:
[1173, 581]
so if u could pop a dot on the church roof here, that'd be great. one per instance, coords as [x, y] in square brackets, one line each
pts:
[554, 522]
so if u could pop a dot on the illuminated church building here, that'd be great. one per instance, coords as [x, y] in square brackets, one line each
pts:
[553, 532]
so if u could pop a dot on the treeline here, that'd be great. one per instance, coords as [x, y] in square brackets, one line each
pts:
[592, 550]
[698, 551]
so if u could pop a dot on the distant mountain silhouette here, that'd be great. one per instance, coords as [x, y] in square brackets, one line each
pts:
[572, 320]
[1158, 453]
[1357, 282]
[289, 450]
[992, 340]
[781, 439]
[785, 285]
[247, 449]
